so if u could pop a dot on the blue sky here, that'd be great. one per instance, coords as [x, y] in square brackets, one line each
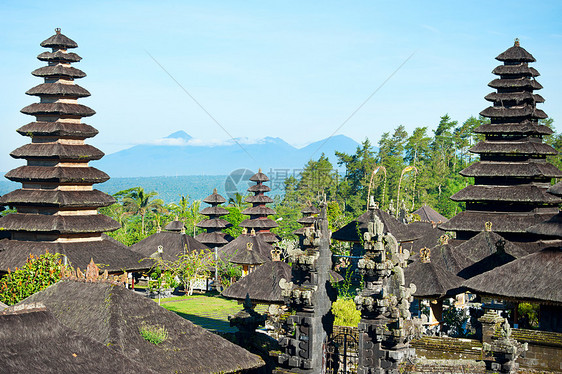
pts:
[284, 69]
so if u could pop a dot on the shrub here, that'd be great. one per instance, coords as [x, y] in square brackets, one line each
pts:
[345, 312]
[37, 274]
[153, 333]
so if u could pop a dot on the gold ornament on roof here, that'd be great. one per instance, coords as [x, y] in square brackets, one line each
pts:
[425, 255]
[488, 226]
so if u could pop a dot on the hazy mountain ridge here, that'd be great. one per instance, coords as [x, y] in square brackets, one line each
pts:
[179, 154]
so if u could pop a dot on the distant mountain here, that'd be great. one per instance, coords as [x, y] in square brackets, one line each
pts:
[179, 154]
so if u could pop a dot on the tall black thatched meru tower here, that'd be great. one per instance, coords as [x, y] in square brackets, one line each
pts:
[512, 175]
[56, 208]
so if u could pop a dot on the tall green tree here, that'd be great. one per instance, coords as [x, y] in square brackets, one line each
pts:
[136, 201]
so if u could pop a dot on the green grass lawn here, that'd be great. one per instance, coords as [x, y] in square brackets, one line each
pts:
[208, 311]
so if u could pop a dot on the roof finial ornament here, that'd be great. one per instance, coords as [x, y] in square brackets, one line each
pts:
[57, 30]
[516, 44]
[488, 226]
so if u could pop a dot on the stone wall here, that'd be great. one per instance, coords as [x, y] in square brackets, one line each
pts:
[545, 349]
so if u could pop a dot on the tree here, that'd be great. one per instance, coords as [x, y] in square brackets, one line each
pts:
[37, 274]
[136, 201]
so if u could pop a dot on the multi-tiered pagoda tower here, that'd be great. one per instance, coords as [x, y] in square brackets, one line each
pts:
[214, 224]
[57, 206]
[259, 211]
[512, 176]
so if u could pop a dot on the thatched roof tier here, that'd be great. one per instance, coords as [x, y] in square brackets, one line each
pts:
[399, 230]
[269, 236]
[61, 129]
[515, 97]
[51, 347]
[513, 147]
[77, 152]
[259, 199]
[259, 177]
[521, 69]
[484, 252]
[262, 284]
[525, 127]
[214, 223]
[429, 237]
[241, 243]
[310, 209]
[214, 198]
[258, 223]
[258, 210]
[57, 198]
[502, 222]
[515, 54]
[59, 56]
[58, 89]
[175, 226]
[530, 169]
[213, 239]
[72, 224]
[535, 277]
[115, 257]
[174, 244]
[79, 175]
[259, 188]
[60, 109]
[556, 189]
[549, 228]
[519, 83]
[54, 71]
[428, 214]
[504, 112]
[214, 211]
[436, 278]
[248, 257]
[113, 316]
[518, 193]
[307, 220]
[59, 41]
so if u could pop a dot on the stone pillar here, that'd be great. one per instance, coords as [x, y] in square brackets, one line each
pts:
[490, 323]
[504, 351]
[310, 294]
[385, 329]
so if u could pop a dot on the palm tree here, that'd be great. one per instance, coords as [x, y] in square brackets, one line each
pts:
[136, 201]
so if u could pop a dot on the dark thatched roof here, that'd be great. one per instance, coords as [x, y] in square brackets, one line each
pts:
[92, 223]
[115, 257]
[58, 89]
[428, 236]
[212, 239]
[214, 198]
[522, 69]
[61, 109]
[525, 127]
[258, 223]
[59, 41]
[502, 222]
[114, 316]
[509, 169]
[400, 231]
[516, 54]
[175, 226]
[62, 129]
[259, 188]
[513, 147]
[77, 152]
[259, 177]
[262, 284]
[240, 244]
[484, 252]
[58, 198]
[59, 56]
[521, 193]
[556, 189]
[520, 83]
[436, 278]
[505, 112]
[514, 97]
[549, 228]
[173, 245]
[258, 210]
[262, 199]
[248, 257]
[58, 71]
[36, 342]
[78, 175]
[214, 211]
[535, 277]
[214, 223]
[428, 214]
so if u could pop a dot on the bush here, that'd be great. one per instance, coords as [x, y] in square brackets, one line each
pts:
[345, 312]
[37, 274]
[153, 333]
